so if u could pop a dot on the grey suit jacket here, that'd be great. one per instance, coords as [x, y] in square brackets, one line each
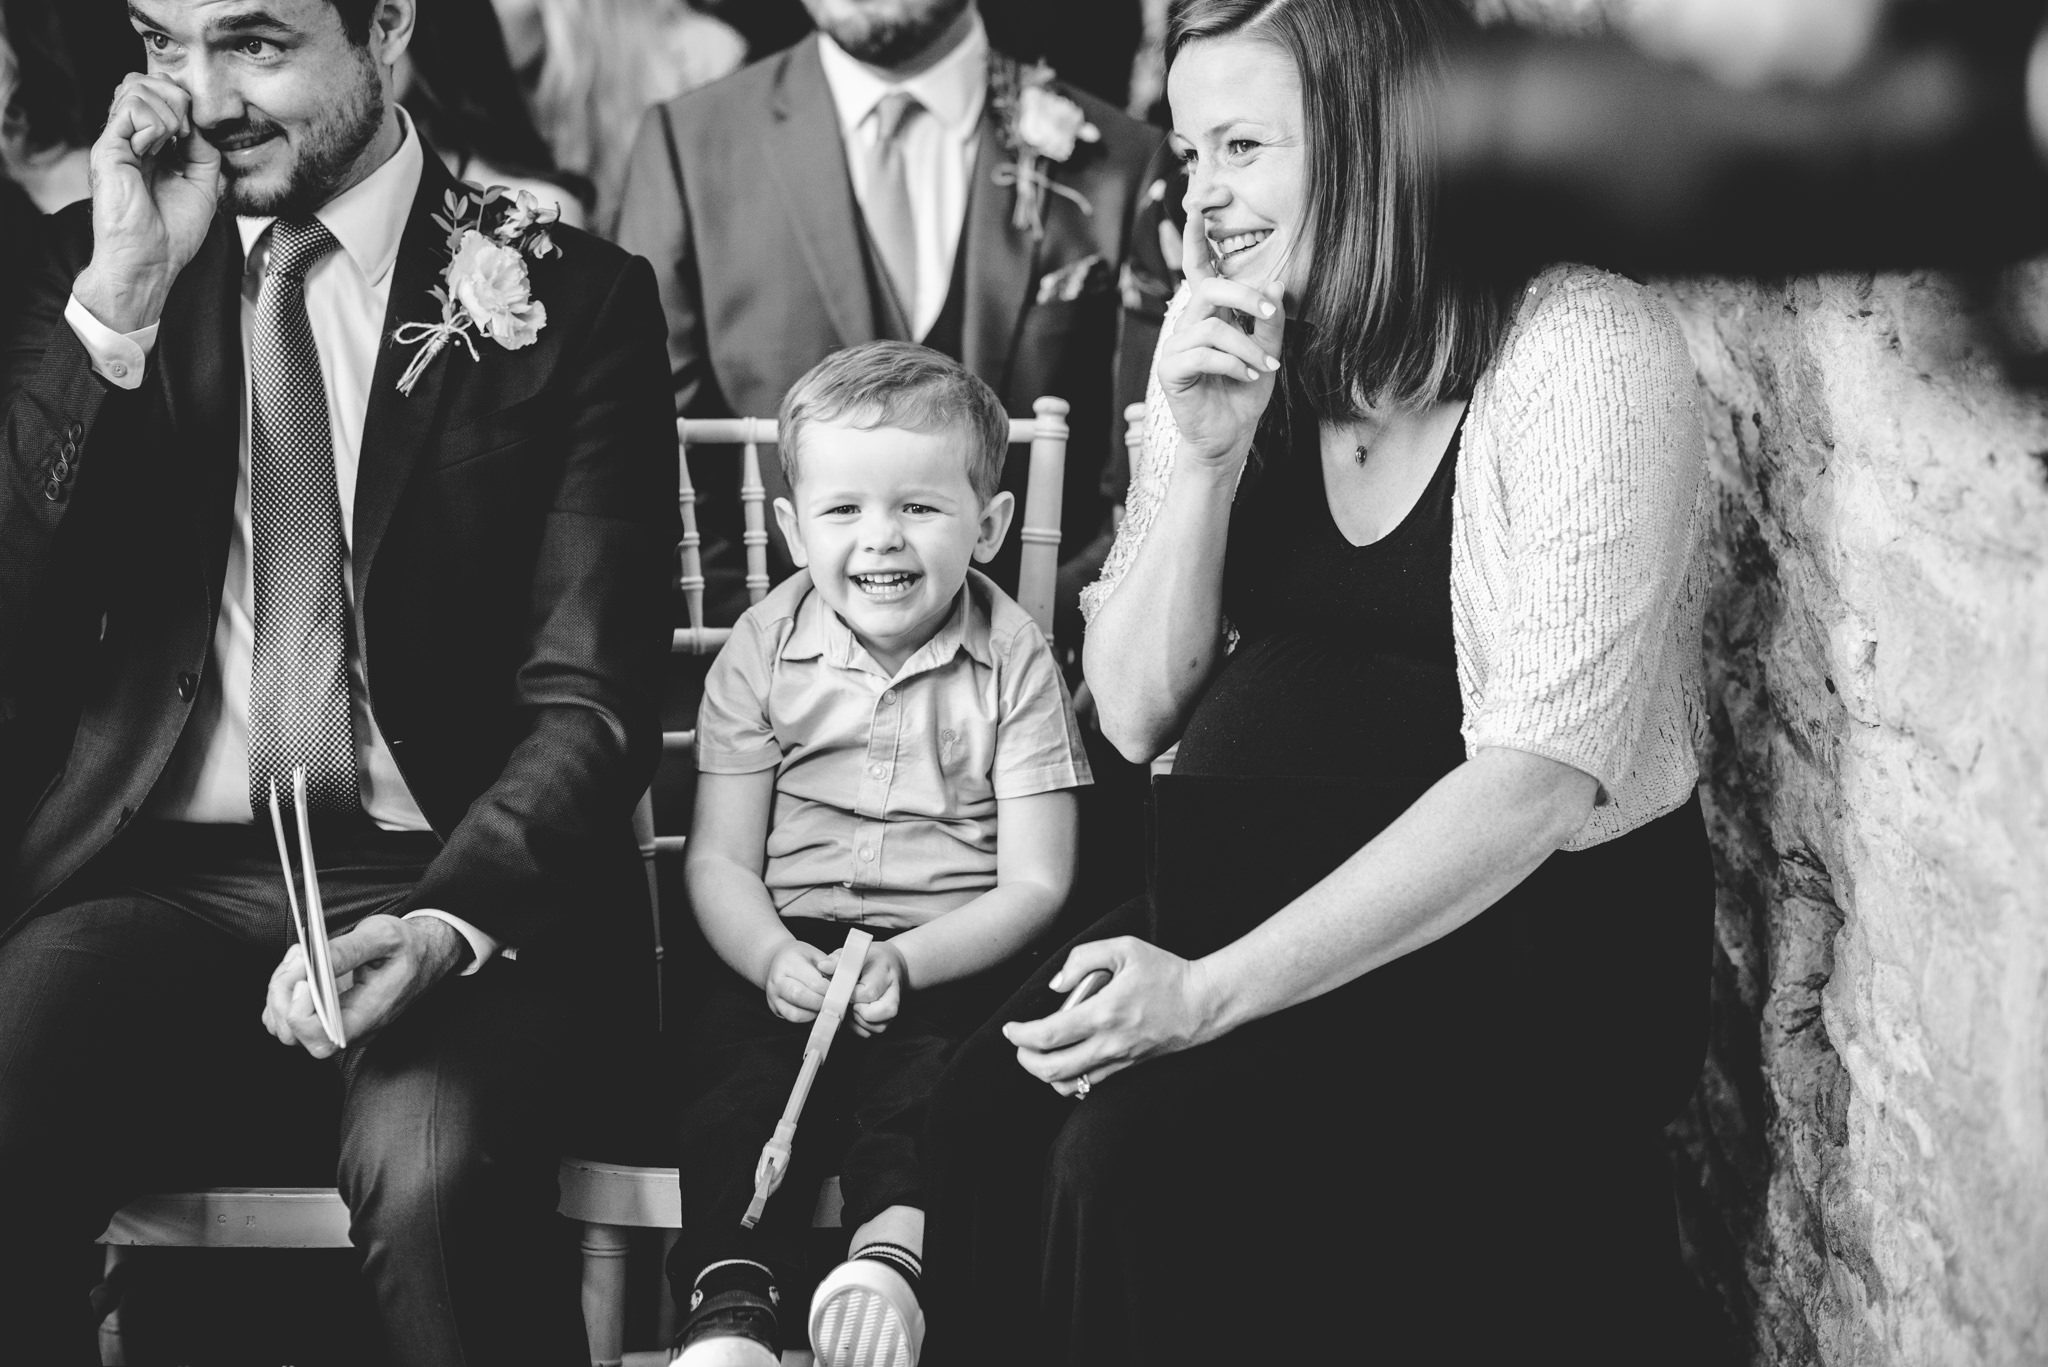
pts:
[740, 196]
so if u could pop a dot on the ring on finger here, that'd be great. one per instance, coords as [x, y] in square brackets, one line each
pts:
[1081, 1087]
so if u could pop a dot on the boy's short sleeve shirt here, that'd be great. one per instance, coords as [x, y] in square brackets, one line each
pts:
[886, 788]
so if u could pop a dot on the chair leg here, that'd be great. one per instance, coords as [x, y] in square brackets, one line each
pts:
[113, 1349]
[604, 1292]
[670, 1318]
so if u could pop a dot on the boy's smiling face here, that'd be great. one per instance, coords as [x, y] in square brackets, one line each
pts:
[887, 522]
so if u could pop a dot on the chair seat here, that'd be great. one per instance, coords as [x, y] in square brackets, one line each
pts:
[630, 1197]
[233, 1217]
[621, 1194]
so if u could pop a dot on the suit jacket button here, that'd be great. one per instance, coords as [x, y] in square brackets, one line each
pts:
[188, 684]
[53, 491]
[76, 430]
[61, 471]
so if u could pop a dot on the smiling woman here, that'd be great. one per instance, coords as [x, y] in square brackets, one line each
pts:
[1409, 574]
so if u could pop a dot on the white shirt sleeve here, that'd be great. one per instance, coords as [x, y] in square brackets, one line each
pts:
[119, 358]
[482, 946]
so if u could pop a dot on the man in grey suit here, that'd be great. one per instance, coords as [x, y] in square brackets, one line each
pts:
[866, 184]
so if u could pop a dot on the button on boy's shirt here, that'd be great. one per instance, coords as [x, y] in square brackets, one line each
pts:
[886, 788]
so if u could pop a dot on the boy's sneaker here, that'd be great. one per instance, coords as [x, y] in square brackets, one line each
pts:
[731, 1321]
[865, 1314]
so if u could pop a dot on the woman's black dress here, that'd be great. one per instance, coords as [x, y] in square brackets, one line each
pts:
[1451, 1159]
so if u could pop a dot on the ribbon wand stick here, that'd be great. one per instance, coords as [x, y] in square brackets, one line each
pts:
[774, 1164]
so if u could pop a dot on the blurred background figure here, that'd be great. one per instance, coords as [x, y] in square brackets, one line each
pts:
[68, 59]
[20, 232]
[768, 26]
[1879, 133]
[18, 212]
[591, 68]
[1091, 43]
[456, 81]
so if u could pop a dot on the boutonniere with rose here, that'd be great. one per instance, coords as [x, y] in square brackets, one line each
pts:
[1039, 126]
[485, 291]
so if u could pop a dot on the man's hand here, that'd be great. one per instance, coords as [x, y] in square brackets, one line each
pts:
[878, 992]
[393, 961]
[155, 182]
[797, 979]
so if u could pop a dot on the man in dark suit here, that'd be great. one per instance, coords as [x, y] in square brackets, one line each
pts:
[230, 546]
[864, 184]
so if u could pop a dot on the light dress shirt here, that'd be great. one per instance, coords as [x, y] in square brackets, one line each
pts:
[886, 786]
[938, 149]
[207, 779]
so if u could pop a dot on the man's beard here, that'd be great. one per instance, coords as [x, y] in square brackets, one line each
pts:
[324, 155]
[891, 42]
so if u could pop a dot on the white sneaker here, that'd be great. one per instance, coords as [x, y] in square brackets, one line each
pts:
[726, 1351]
[865, 1315]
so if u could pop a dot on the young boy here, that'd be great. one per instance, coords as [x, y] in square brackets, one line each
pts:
[867, 732]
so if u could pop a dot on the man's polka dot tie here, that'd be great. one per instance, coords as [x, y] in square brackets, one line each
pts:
[298, 684]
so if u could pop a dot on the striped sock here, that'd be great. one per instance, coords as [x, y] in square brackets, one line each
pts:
[903, 1261]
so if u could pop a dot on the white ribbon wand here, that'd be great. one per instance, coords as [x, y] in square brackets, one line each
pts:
[774, 1164]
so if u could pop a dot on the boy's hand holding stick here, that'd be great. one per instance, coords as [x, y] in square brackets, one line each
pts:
[774, 1164]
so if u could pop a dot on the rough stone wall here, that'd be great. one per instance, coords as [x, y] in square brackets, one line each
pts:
[1870, 1144]
[1863, 1173]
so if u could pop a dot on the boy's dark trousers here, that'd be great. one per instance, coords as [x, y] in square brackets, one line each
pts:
[862, 1121]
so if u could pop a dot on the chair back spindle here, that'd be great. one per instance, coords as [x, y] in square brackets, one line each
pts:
[1038, 558]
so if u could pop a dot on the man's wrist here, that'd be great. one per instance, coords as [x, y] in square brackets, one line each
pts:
[122, 305]
[447, 951]
[482, 947]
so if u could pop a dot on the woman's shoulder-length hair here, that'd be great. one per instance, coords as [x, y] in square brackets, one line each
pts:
[1389, 320]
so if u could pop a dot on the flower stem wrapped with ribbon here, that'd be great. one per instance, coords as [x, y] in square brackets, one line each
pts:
[485, 291]
[1040, 125]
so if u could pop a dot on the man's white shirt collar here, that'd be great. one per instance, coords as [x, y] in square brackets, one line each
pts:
[368, 219]
[952, 90]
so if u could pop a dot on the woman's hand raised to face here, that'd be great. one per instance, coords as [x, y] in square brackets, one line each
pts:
[1218, 378]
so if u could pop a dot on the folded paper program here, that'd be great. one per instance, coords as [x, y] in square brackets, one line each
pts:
[310, 918]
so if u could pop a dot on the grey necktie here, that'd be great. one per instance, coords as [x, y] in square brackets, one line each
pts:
[298, 671]
[890, 222]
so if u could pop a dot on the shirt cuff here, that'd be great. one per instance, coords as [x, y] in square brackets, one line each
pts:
[119, 358]
[482, 946]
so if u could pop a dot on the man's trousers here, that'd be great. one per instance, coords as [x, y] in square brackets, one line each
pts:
[133, 1058]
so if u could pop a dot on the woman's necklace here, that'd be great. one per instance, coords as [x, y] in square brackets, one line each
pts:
[1350, 434]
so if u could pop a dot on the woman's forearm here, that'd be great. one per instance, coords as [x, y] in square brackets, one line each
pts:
[1478, 832]
[1151, 648]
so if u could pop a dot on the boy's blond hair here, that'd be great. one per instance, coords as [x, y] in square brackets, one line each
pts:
[899, 384]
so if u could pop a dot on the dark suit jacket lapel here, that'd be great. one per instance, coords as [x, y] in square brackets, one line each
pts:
[397, 427]
[201, 349]
[1002, 260]
[806, 159]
